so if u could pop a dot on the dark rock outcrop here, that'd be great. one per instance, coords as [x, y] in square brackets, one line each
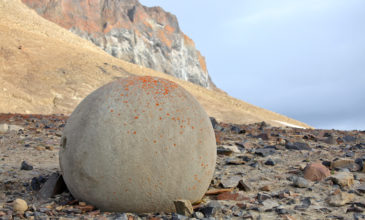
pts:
[146, 36]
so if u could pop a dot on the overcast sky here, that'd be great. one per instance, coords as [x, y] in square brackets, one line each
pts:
[304, 59]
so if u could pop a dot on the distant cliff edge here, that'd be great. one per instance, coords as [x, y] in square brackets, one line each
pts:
[146, 36]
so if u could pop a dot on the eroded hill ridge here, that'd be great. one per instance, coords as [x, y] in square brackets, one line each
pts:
[45, 69]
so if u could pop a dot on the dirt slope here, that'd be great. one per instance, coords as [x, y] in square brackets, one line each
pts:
[45, 69]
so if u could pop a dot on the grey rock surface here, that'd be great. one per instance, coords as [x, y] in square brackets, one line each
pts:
[137, 145]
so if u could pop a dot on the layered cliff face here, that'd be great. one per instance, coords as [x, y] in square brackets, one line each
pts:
[130, 31]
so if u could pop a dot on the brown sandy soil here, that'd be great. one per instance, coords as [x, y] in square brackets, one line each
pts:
[45, 69]
[267, 159]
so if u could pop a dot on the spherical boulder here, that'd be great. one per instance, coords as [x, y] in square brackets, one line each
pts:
[136, 145]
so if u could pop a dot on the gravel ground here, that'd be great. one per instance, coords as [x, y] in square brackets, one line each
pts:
[262, 172]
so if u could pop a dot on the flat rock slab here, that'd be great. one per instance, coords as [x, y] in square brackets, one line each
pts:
[53, 186]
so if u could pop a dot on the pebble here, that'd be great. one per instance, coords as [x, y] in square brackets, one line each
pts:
[266, 188]
[234, 196]
[298, 146]
[26, 166]
[361, 188]
[243, 185]
[213, 121]
[235, 161]
[230, 182]
[224, 151]
[360, 162]
[178, 217]
[345, 163]
[264, 152]
[269, 204]
[254, 164]
[270, 162]
[262, 197]
[232, 148]
[237, 130]
[198, 215]
[316, 172]
[183, 207]
[211, 209]
[248, 145]
[20, 206]
[301, 182]
[306, 202]
[344, 179]
[349, 138]
[340, 198]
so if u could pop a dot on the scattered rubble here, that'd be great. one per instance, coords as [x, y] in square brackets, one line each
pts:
[319, 179]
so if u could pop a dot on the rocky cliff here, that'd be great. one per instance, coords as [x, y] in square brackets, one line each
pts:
[147, 36]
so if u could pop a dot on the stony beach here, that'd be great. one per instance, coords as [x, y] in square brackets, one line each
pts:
[262, 172]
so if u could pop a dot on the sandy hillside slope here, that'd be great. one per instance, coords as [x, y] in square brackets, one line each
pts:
[45, 69]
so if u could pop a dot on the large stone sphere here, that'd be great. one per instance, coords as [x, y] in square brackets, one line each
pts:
[136, 145]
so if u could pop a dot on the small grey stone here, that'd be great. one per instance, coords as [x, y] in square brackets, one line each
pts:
[359, 216]
[53, 186]
[26, 166]
[361, 188]
[282, 211]
[122, 217]
[263, 152]
[224, 151]
[179, 217]
[235, 161]
[198, 215]
[183, 207]
[244, 186]
[270, 162]
[262, 197]
[255, 164]
[28, 214]
[301, 182]
[230, 182]
[213, 121]
[269, 204]
[297, 146]
[306, 202]
[211, 209]
[349, 138]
